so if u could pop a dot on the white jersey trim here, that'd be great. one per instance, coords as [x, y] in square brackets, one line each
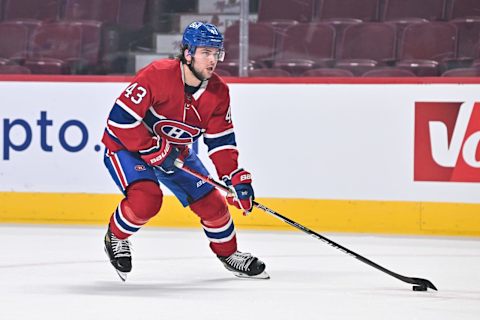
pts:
[221, 148]
[124, 126]
[130, 111]
[218, 135]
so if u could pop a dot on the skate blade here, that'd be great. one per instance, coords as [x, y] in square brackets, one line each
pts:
[122, 275]
[260, 276]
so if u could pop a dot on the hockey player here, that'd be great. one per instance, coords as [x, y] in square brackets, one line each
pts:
[169, 105]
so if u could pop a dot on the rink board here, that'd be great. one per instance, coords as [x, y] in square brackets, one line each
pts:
[353, 155]
[385, 217]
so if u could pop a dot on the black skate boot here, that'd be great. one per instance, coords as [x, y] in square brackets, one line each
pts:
[118, 251]
[244, 265]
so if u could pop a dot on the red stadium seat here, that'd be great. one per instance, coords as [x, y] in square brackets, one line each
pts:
[468, 36]
[366, 45]
[53, 43]
[13, 41]
[32, 9]
[131, 14]
[463, 9]
[327, 72]
[281, 10]
[47, 66]
[100, 10]
[365, 10]
[14, 69]
[91, 40]
[340, 24]
[462, 72]
[272, 72]
[305, 46]
[400, 9]
[388, 72]
[261, 44]
[420, 54]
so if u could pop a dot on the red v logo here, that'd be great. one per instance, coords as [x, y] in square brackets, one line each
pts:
[447, 139]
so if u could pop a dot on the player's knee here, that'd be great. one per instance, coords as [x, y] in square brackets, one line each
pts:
[211, 207]
[144, 199]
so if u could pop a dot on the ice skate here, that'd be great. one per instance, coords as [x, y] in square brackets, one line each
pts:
[118, 251]
[244, 265]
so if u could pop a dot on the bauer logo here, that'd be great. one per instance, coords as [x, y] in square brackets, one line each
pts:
[447, 141]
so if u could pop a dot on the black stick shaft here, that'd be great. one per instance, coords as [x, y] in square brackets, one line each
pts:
[417, 281]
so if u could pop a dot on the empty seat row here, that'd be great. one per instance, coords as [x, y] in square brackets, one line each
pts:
[366, 10]
[338, 72]
[128, 13]
[57, 47]
[422, 47]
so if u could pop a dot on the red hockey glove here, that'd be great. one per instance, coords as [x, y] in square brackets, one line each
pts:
[162, 155]
[240, 181]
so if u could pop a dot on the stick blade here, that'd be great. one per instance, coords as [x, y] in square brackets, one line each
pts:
[424, 282]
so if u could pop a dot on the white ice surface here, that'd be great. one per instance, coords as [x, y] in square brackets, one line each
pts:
[62, 273]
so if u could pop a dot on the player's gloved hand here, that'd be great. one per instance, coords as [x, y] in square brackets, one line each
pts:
[240, 182]
[161, 155]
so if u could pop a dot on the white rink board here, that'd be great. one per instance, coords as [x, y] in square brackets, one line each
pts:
[319, 141]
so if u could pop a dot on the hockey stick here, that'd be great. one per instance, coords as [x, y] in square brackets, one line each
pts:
[420, 284]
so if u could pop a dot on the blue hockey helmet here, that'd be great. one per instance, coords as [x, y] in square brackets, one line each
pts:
[200, 34]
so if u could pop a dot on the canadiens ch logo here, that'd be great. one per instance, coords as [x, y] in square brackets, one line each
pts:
[140, 167]
[177, 132]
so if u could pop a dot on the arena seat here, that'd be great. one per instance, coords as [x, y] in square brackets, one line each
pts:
[327, 72]
[48, 10]
[388, 72]
[305, 46]
[462, 72]
[284, 10]
[367, 45]
[56, 47]
[14, 69]
[365, 10]
[400, 9]
[100, 10]
[468, 36]
[261, 44]
[418, 53]
[13, 41]
[463, 9]
[270, 72]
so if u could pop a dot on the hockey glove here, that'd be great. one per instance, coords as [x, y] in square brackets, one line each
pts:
[240, 182]
[162, 155]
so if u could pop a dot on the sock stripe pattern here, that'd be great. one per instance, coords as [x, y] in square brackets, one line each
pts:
[221, 234]
[123, 224]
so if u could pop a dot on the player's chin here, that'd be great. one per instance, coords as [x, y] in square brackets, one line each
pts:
[208, 72]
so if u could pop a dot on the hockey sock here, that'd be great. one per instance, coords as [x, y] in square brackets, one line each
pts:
[142, 202]
[217, 223]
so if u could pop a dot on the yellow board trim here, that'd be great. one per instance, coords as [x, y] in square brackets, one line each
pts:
[385, 217]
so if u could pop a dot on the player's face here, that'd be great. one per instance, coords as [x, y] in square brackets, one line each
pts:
[205, 61]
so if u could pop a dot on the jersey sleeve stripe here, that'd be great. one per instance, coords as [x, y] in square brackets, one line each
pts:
[218, 135]
[213, 143]
[220, 149]
[123, 125]
[127, 109]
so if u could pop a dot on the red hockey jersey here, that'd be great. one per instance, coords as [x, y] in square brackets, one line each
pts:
[155, 104]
